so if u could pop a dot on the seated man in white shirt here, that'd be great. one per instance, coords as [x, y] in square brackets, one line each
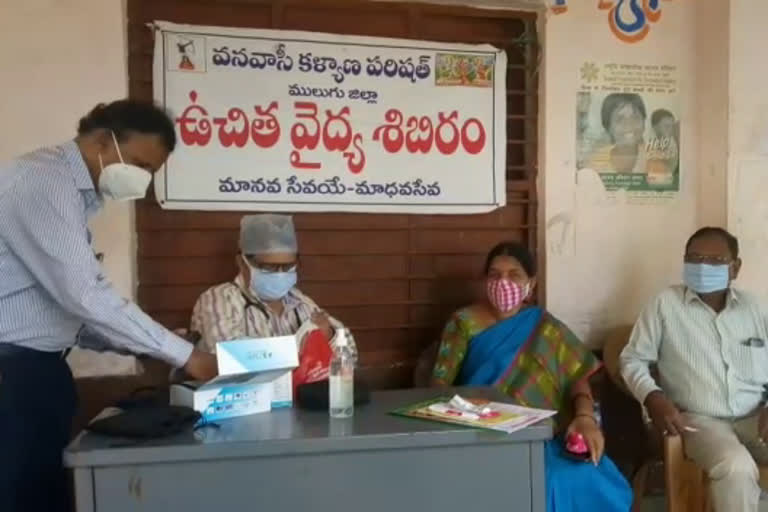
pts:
[710, 343]
[263, 300]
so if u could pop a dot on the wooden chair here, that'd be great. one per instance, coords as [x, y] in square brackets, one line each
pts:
[687, 486]
[614, 343]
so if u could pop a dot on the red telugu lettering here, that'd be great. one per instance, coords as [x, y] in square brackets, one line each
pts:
[301, 137]
[237, 137]
[298, 164]
[447, 147]
[265, 132]
[356, 163]
[200, 135]
[473, 147]
[421, 134]
[421, 144]
[391, 134]
[343, 137]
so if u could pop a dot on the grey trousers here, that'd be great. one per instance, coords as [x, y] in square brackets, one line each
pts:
[729, 451]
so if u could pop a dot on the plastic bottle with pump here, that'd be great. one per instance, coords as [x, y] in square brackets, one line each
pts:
[341, 380]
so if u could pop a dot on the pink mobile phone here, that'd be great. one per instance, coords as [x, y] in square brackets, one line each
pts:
[576, 447]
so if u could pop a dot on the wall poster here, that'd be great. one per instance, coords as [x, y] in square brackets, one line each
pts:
[628, 127]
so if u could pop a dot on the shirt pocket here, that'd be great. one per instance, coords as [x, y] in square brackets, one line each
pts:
[750, 360]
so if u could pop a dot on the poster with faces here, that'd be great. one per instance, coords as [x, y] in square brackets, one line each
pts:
[628, 128]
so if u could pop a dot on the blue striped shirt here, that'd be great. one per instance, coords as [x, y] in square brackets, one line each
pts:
[51, 284]
[713, 364]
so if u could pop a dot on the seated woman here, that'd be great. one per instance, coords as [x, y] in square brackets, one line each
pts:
[531, 356]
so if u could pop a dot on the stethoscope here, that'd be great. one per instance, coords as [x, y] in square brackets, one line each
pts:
[251, 303]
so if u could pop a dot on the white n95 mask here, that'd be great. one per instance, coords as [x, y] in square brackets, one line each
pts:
[121, 181]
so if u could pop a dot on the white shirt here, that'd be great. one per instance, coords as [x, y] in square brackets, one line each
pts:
[710, 364]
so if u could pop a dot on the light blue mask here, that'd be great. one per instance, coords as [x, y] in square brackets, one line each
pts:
[703, 278]
[272, 285]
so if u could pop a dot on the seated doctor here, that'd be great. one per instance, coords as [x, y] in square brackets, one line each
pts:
[263, 300]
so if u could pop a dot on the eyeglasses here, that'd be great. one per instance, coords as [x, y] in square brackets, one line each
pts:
[270, 268]
[707, 260]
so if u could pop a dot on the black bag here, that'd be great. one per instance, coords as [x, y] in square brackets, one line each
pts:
[146, 422]
[314, 395]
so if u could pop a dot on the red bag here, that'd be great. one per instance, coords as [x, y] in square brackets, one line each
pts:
[314, 360]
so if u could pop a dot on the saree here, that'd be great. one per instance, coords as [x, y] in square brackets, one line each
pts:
[535, 359]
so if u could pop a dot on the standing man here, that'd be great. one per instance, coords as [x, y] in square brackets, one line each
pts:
[52, 289]
[710, 344]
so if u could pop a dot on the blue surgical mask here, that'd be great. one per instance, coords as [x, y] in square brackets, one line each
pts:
[272, 285]
[704, 278]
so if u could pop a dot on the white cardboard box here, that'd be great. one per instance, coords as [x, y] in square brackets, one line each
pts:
[254, 376]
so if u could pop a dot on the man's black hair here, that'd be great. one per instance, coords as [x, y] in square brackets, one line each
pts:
[732, 241]
[130, 116]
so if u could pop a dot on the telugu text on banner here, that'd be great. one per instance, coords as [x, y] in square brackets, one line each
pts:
[301, 121]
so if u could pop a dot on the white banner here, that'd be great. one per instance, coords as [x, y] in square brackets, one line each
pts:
[303, 121]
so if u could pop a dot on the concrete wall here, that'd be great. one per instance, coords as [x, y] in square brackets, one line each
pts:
[606, 256]
[58, 60]
[748, 140]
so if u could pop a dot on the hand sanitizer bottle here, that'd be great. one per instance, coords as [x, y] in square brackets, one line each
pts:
[341, 389]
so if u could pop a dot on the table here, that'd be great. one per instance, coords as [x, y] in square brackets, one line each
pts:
[294, 461]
